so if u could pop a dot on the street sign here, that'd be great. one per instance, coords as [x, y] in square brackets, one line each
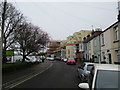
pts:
[10, 53]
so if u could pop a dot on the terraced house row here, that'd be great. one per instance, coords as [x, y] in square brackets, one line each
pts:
[97, 45]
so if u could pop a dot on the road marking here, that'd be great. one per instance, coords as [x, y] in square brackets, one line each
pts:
[18, 79]
[15, 79]
[19, 82]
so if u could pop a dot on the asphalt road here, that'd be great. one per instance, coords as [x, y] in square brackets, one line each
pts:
[60, 75]
[12, 79]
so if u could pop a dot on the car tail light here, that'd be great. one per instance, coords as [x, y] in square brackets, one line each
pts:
[86, 75]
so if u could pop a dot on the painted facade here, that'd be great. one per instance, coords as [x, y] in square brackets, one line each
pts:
[98, 45]
[110, 44]
[53, 48]
[63, 52]
[70, 44]
[70, 51]
[92, 46]
[86, 52]
[97, 49]
[78, 36]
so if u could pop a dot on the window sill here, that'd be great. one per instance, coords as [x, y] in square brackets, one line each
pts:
[116, 41]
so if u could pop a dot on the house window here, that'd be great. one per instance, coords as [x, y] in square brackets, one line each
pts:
[116, 33]
[102, 39]
[103, 55]
[116, 55]
[80, 38]
[68, 51]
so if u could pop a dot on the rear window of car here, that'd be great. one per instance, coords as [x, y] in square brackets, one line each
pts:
[89, 67]
[107, 79]
[71, 59]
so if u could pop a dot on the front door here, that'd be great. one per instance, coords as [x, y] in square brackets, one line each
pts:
[110, 60]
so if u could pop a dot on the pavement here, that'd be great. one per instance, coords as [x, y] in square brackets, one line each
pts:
[12, 79]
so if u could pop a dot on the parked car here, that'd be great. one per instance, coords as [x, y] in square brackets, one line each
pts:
[84, 71]
[102, 77]
[71, 61]
[81, 72]
[57, 58]
[33, 59]
[65, 59]
[39, 60]
[62, 59]
[50, 58]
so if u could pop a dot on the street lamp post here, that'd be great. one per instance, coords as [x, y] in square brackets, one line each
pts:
[2, 22]
[0, 57]
[0, 53]
[3, 26]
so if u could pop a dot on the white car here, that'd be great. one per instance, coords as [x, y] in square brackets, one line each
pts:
[102, 77]
[50, 58]
[83, 72]
[33, 59]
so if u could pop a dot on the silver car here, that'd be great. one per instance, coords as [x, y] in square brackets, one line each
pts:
[84, 71]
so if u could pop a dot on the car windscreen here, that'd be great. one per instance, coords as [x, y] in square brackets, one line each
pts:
[71, 59]
[107, 79]
[89, 67]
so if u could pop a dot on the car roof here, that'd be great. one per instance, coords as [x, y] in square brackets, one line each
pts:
[107, 67]
[70, 58]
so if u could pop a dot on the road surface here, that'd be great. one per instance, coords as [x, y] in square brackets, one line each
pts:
[60, 75]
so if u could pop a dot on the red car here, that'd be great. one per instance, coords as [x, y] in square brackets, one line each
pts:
[71, 61]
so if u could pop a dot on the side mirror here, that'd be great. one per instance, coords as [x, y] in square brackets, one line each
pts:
[84, 86]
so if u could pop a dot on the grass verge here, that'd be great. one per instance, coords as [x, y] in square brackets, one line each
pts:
[9, 67]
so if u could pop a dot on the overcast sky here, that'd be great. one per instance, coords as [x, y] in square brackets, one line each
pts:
[61, 19]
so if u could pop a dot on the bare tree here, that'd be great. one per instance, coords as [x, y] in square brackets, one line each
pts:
[30, 38]
[42, 37]
[16, 30]
[11, 19]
